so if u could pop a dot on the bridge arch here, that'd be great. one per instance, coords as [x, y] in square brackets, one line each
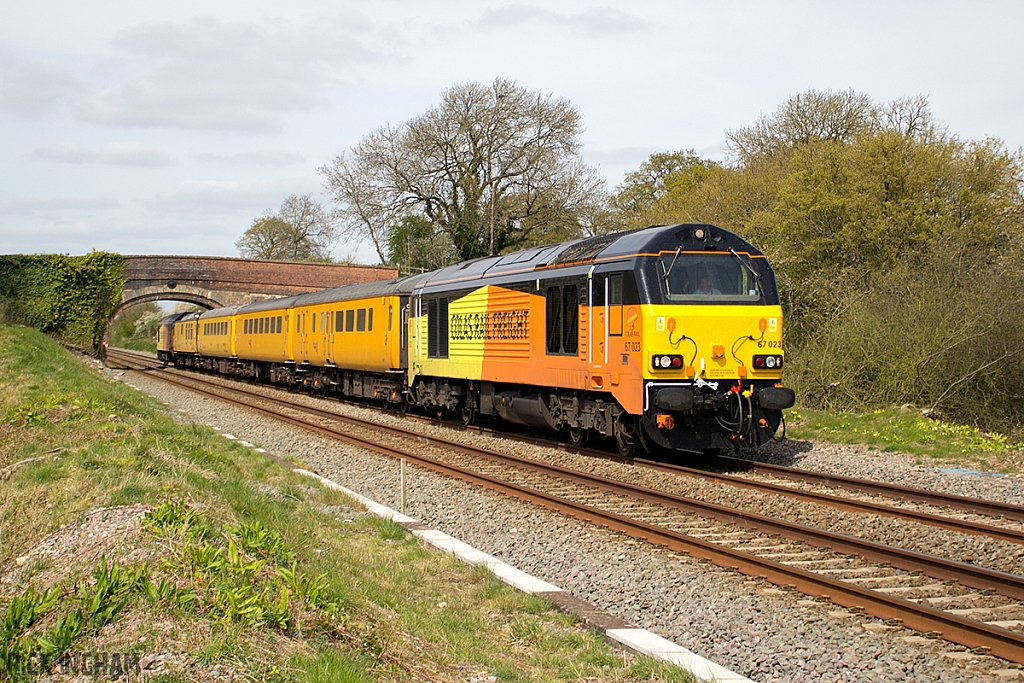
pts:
[216, 281]
[187, 297]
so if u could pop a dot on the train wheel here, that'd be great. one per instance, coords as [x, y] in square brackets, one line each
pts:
[579, 437]
[468, 414]
[627, 436]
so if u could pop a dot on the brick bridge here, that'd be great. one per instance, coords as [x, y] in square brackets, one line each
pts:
[213, 282]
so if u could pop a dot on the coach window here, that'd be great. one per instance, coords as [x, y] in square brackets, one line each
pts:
[361, 320]
[277, 328]
[391, 312]
[339, 321]
[553, 318]
[350, 321]
[369, 320]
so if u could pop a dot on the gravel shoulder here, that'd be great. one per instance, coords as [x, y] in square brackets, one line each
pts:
[748, 625]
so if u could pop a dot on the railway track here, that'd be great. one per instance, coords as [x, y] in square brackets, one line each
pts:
[972, 606]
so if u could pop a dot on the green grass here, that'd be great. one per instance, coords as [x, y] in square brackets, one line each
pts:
[266, 583]
[908, 431]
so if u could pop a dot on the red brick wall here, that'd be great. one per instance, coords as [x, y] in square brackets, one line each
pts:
[240, 275]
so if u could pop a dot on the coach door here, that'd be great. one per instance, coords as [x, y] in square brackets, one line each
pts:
[302, 335]
[329, 355]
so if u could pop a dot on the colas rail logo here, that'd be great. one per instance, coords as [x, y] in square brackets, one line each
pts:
[503, 325]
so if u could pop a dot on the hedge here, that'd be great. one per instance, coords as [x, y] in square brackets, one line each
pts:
[68, 297]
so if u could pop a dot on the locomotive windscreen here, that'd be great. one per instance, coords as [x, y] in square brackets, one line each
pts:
[705, 277]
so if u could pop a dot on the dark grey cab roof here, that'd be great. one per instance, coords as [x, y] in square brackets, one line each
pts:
[586, 252]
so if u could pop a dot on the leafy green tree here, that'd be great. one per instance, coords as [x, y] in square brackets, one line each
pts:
[301, 230]
[415, 245]
[899, 250]
[644, 197]
[491, 168]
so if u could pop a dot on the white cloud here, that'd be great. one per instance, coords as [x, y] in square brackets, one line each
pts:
[133, 154]
[206, 197]
[621, 155]
[113, 153]
[66, 153]
[597, 21]
[30, 87]
[210, 74]
[32, 206]
[264, 157]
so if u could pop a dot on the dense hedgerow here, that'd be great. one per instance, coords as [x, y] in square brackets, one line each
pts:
[69, 297]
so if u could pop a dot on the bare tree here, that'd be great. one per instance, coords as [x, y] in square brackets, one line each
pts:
[808, 116]
[301, 230]
[491, 167]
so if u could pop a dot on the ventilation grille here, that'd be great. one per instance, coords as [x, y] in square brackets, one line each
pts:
[589, 248]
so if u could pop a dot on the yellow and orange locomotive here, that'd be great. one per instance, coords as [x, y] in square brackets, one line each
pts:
[667, 337]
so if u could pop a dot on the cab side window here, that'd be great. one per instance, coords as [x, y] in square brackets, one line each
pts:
[561, 317]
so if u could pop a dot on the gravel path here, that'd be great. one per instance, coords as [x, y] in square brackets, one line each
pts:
[747, 625]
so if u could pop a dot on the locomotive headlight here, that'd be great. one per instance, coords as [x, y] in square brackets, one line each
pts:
[767, 362]
[667, 362]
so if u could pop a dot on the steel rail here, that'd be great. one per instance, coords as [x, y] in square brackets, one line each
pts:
[970, 633]
[985, 507]
[1010, 585]
[961, 526]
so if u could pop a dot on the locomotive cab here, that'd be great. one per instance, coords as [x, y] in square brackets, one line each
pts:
[712, 341]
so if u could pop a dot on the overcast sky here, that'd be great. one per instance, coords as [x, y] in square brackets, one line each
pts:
[165, 128]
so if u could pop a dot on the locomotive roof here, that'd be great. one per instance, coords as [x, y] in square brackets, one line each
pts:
[588, 251]
[581, 254]
[172, 318]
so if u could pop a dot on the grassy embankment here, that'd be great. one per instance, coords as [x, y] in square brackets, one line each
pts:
[236, 562]
[909, 430]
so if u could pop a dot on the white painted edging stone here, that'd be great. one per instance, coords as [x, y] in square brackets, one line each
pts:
[638, 639]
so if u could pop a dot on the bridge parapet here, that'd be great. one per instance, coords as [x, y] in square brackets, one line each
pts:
[215, 281]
